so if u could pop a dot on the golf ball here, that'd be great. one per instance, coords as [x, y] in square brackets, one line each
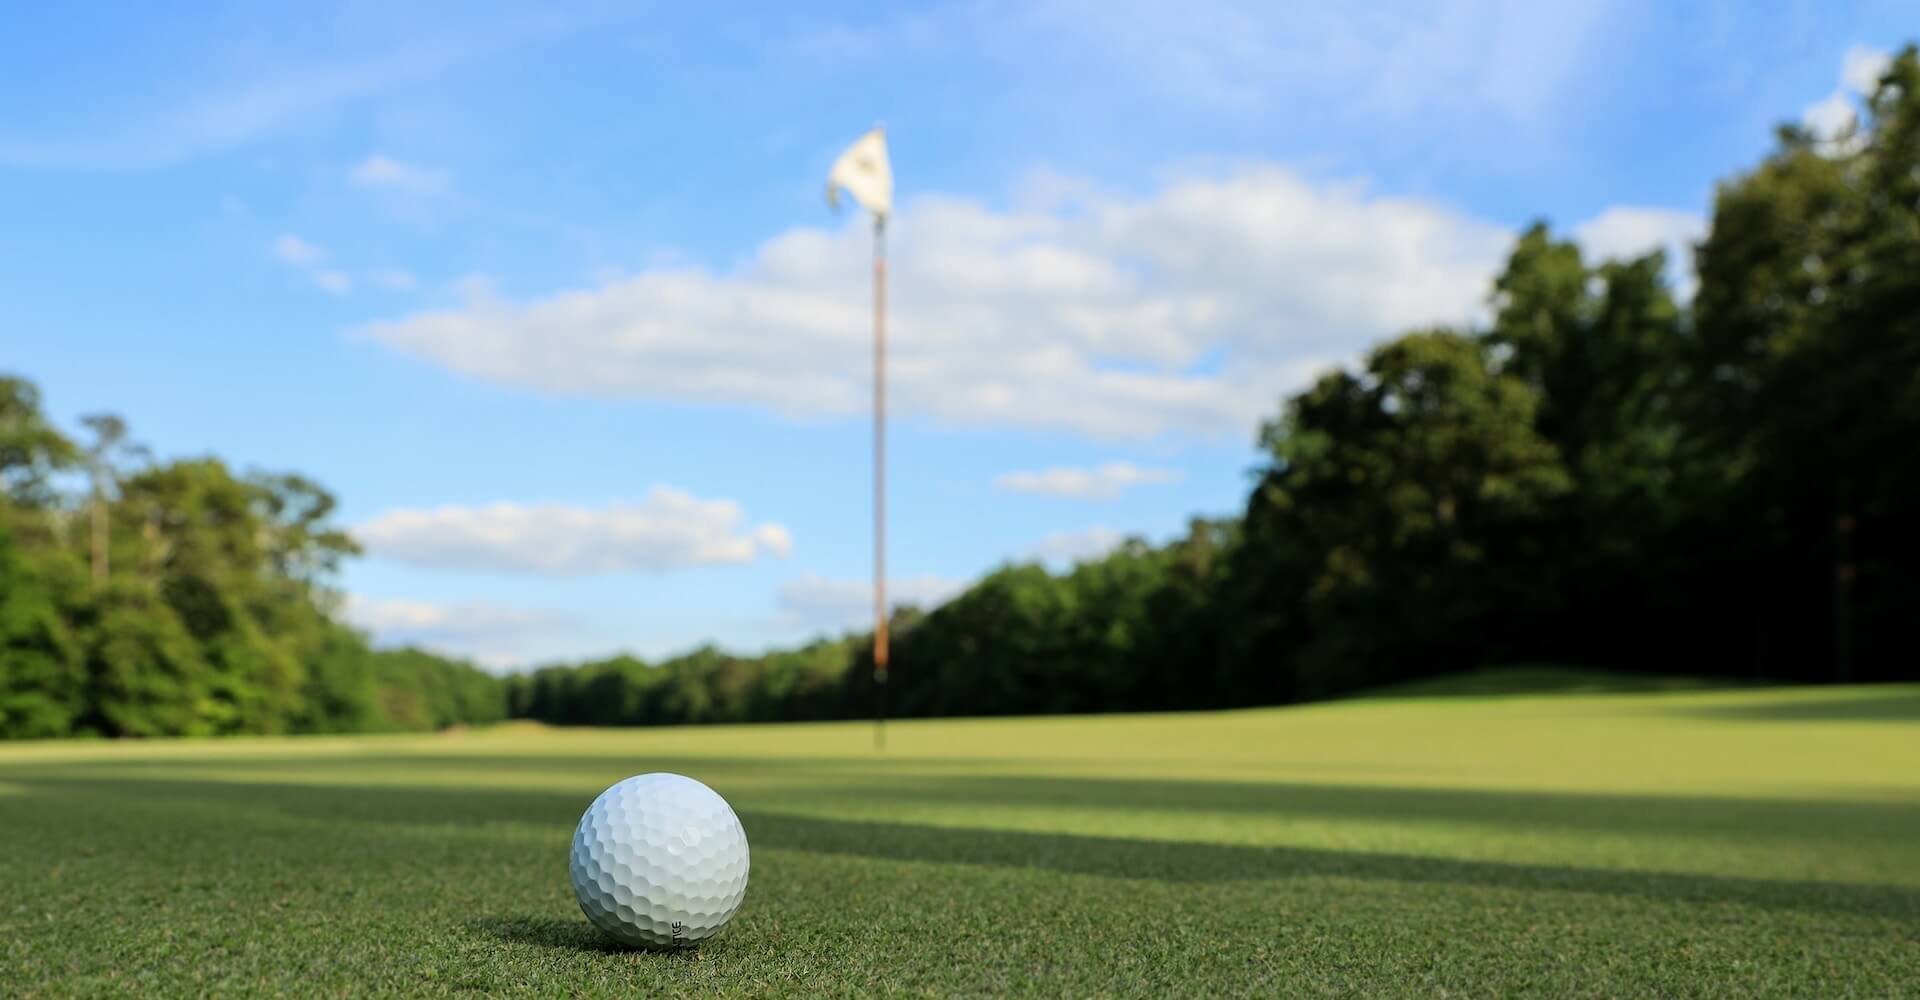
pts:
[659, 860]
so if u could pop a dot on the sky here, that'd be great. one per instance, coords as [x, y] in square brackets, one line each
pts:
[551, 299]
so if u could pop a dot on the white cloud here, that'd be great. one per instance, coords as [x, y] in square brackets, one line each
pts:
[400, 615]
[394, 280]
[1075, 546]
[667, 530]
[1625, 232]
[299, 253]
[294, 250]
[1192, 309]
[1862, 67]
[385, 173]
[1628, 231]
[492, 635]
[1832, 118]
[336, 282]
[819, 602]
[1099, 483]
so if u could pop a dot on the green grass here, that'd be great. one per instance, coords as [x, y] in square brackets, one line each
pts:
[1721, 843]
[1532, 680]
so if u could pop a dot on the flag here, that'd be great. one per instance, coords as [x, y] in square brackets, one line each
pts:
[862, 171]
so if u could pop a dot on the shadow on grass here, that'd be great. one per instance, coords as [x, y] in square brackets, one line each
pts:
[1902, 705]
[1827, 824]
[549, 932]
[369, 812]
[814, 787]
[570, 935]
[1832, 823]
[1191, 862]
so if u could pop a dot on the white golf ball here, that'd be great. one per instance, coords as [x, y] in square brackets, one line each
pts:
[659, 860]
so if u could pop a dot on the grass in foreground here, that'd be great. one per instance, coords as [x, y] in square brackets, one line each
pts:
[1721, 843]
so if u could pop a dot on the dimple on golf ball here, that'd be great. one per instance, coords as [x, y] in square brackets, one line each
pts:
[659, 860]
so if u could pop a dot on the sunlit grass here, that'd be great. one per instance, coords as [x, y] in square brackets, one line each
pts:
[1706, 841]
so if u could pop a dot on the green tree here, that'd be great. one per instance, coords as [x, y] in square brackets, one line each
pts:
[1391, 531]
[996, 649]
[342, 690]
[109, 448]
[31, 449]
[1604, 347]
[41, 680]
[1186, 661]
[145, 674]
[210, 577]
[1809, 350]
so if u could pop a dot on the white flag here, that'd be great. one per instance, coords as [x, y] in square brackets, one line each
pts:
[862, 171]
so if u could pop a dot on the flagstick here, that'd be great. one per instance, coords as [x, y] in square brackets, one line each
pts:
[880, 482]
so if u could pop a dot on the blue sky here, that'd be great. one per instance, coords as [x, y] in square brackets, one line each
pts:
[552, 300]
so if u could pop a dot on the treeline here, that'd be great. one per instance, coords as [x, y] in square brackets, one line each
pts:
[178, 599]
[1602, 476]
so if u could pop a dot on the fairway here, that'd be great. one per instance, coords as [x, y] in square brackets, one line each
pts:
[1721, 843]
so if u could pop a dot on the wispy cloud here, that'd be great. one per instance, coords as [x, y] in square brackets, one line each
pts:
[1470, 64]
[337, 282]
[1102, 482]
[819, 602]
[1075, 546]
[668, 529]
[210, 112]
[294, 250]
[219, 119]
[428, 618]
[384, 173]
[493, 635]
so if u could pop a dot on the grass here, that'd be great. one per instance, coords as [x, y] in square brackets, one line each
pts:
[1533, 680]
[1717, 843]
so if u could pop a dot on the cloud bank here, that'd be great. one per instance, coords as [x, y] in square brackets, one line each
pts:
[1192, 309]
[667, 530]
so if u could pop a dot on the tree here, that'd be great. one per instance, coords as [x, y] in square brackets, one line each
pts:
[1604, 347]
[41, 689]
[1186, 658]
[109, 445]
[1809, 349]
[145, 674]
[31, 449]
[1392, 530]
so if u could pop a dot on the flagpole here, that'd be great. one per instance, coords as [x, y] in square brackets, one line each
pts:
[863, 171]
[880, 482]
[880, 644]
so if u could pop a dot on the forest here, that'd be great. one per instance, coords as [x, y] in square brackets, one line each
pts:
[181, 599]
[1715, 479]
